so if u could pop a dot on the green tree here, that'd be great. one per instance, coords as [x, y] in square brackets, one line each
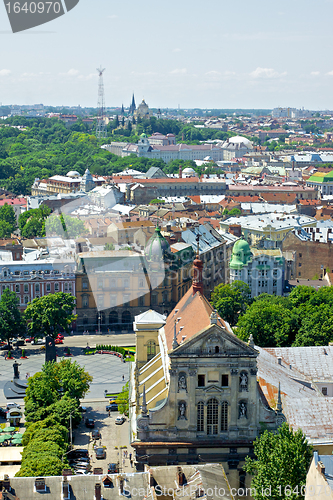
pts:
[281, 464]
[50, 314]
[65, 225]
[11, 323]
[270, 323]
[231, 300]
[32, 222]
[7, 220]
[123, 401]
[109, 246]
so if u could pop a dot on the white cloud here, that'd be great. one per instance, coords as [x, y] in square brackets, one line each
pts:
[177, 50]
[330, 73]
[5, 72]
[178, 71]
[266, 73]
[315, 73]
[113, 16]
[72, 72]
[213, 73]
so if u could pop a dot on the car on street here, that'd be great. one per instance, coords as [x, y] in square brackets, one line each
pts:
[78, 453]
[113, 469]
[5, 347]
[38, 341]
[29, 339]
[10, 406]
[90, 423]
[95, 434]
[100, 453]
[19, 343]
[3, 413]
[60, 336]
[120, 420]
[112, 407]
[58, 341]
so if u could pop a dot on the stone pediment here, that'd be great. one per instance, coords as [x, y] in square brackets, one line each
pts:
[213, 388]
[214, 341]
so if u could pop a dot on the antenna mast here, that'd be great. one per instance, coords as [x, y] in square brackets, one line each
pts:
[100, 125]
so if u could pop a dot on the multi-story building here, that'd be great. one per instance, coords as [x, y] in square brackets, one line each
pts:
[114, 286]
[261, 269]
[268, 226]
[322, 181]
[30, 280]
[66, 184]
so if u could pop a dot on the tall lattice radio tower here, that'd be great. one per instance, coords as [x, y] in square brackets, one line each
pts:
[100, 125]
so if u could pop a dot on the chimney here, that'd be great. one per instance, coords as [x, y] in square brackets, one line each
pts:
[180, 172]
[279, 361]
[98, 491]
[235, 229]
[321, 467]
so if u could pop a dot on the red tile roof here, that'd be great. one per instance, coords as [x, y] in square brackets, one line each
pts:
[194, 312]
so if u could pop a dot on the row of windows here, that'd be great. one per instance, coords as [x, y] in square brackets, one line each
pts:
[37, 287]
[47, 272]
[202, 380]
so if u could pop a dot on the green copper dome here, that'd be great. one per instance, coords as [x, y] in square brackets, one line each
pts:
[157, 247]
[241, 254]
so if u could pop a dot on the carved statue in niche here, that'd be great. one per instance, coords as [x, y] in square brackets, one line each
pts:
[243, 382]
[182, 410]
[182, 385]
[242, 412]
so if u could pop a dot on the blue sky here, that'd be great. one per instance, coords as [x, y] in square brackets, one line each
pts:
[217, 53]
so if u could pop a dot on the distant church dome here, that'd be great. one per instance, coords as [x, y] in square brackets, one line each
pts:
[157, 247]
[238, 139]
[73, 173]
[241, 254]
[189, 171]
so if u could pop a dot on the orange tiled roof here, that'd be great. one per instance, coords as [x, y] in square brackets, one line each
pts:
[194, 311]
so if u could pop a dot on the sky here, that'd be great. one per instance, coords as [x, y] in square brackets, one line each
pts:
[205, 54]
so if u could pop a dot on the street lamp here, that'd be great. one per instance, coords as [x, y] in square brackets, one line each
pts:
[99, 323]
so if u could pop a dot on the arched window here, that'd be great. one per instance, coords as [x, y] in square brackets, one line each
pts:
[85, 320]
[212, 416]
[113, 317]
[200, 417]
[224, 416]
[126, 317]
[217, 349]
[151, 349]
[85, 301]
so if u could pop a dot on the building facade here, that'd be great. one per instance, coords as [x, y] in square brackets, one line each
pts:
[261, 269]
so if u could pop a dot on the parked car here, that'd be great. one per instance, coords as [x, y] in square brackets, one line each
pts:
[120, 420]
[90, 423]
[29, 339]
[112, 407]
[10, 406]
[113, 469]
[78, 453]
[58, 341]
[38, 341]
[95, 434]
[5, 347]
[19, 343]
[80, 459]
[3, 413]
[81, 465]
[60, 336]
[100, 453]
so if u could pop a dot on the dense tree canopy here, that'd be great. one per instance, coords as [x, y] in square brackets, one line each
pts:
[64, 226]
[281, 464]
[11, 323]
[50, 314]
[304, 318]
[32, 222]
[231, 300]
[7, 221]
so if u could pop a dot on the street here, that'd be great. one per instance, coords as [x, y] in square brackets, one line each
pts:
[113, 437]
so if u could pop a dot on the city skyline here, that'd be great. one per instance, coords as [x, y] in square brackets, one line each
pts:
[237, 55]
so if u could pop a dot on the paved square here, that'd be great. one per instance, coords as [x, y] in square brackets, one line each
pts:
[107, 371]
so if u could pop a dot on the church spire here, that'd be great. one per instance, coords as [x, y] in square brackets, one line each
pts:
[197, 283]
[174, 342]
[144, 410]
[279, 401]
[132, 107]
